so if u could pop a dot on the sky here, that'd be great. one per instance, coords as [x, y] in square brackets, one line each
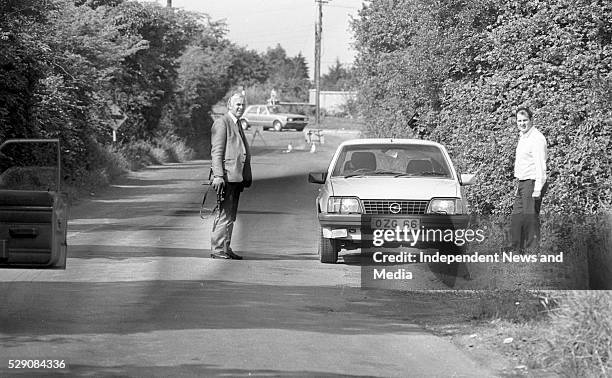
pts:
[260, 24]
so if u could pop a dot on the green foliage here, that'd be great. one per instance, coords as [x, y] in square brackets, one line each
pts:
[288, 75]
[581, 344]
[338, 78]
[465, 66]
[64, 64]
[247, 67]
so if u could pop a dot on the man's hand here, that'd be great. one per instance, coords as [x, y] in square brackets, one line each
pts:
[536, 194]
[218, 183]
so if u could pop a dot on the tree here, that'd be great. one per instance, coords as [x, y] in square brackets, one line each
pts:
[464, 66]
[247, 67]
[288, 75]
[338, 78]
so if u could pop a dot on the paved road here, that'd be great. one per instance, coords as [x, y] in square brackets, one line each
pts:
[140, 297]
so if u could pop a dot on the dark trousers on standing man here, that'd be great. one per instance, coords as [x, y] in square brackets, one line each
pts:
[223, 224]
[525, 225]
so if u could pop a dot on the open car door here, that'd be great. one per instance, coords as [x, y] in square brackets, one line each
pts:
[33, 210]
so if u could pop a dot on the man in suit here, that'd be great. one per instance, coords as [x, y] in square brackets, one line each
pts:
[530, 173]
[231, 171]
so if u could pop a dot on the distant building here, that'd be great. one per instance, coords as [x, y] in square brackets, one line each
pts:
[332, 101]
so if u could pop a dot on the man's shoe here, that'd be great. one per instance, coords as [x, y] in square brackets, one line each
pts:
[220, 255]
[233, 256]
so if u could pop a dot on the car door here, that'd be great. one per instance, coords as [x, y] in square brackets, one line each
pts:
[251, 115]
[255, 116]
[33, 218]
[267, 118]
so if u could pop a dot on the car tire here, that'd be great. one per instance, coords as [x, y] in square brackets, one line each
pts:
[299, 129]
[244, 124]
[278, 126]
[328, 249]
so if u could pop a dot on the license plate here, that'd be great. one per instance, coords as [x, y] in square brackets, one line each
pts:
[394, 223]
[339, 233]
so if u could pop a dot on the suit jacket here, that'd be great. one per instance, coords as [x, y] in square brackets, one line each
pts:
[230, 154]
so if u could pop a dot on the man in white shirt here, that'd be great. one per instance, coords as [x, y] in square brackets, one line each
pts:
[530, 171]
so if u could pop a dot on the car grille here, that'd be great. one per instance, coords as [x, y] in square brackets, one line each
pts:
[383, 206]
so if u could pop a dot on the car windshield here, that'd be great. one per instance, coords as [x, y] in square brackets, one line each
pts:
[408, 160]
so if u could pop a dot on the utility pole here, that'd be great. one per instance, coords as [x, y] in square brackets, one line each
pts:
[169, 3]
[318, 32]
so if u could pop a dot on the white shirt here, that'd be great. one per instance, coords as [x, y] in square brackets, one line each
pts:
[530, 162]
[233, 117]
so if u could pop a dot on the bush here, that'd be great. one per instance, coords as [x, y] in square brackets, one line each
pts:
[581, 335]
[450, 63]
[110, 161]
[140, 154]
[175, 150]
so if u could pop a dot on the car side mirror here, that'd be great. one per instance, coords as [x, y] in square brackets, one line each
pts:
[317, 177]
[467, 179]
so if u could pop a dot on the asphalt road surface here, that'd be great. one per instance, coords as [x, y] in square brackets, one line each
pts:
[141, 297]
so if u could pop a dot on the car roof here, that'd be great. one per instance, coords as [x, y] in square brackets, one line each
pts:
[388, 141]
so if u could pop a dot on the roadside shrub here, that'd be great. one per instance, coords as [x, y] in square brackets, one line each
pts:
[109, 160]
[258, 94]
[175, 149]
[581, 339]
[140, 154]
[450, 63]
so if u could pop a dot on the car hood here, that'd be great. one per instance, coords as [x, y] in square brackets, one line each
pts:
[413, 188]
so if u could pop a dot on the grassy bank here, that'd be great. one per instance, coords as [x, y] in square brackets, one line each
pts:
[564, 333]
[112, 162]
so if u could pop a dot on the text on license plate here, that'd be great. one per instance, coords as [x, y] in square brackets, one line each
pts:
[394, 223]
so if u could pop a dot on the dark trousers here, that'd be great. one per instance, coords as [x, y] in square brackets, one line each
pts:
[525, 225]
[223, 224]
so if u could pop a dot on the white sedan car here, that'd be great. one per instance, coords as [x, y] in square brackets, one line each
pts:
[375, 185]
[272, 117]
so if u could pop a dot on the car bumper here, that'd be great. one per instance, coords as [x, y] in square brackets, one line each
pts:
[356, 227]
[295, 125]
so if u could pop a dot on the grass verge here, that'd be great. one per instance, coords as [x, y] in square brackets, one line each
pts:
[112, 162]
[554, 333]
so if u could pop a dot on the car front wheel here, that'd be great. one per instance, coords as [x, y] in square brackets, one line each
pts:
[328, 249]
[278, 126]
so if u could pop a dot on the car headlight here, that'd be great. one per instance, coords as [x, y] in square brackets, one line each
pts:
[448, 206]
[344, 205]
[289, 119]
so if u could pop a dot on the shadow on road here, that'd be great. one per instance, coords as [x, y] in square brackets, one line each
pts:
[33, 309]
[194, 370]
[121, 252]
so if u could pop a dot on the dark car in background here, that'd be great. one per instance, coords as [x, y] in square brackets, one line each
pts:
[272, 117]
